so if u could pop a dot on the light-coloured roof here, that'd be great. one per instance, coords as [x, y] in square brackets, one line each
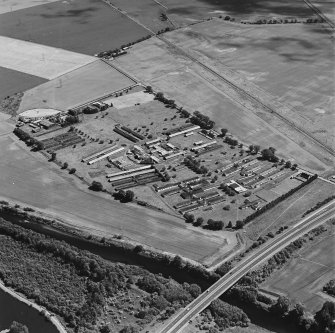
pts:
[35, 113]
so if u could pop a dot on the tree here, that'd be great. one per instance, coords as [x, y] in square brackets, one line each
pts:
[239, 224]
[325, 318]
[53, 156]
[96, 186]
[199, 221]
[257, 149]
[189, 218]
[177, 262]
[282, 306]
[105, 329]
[129, 329]
[65, 165]
[223, 132]
[288, 164]
[16, 327]
[148, 89]
[230, 225]
[72, 171]
[129, 196]
[159, 95]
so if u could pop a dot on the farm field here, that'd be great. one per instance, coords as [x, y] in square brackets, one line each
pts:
[303, 278]
[76, 87]
[12, 81]
[30, 179]
[290, 62]
[39, 60]
[199, 9]
[163, 68]
[326, 7]
[12, 5]
[146, 12]
[83, 26]
[290, 210]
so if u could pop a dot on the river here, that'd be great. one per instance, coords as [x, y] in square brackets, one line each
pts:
[12, 309]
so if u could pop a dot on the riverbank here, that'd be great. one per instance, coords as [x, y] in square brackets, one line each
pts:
[53, 319]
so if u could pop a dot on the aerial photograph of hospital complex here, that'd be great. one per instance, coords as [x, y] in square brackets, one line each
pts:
[167, 166]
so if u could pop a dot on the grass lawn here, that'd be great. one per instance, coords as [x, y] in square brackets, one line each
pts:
[302, 280]
[84, 26]
[290, 210]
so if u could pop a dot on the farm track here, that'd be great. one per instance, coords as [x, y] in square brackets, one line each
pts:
[320, 14]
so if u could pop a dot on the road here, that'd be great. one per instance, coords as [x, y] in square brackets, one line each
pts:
[313, 220]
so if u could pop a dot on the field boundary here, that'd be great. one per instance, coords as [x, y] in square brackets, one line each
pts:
[320, 14]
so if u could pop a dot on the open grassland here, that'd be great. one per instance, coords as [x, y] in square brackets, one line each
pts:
[12, 81]
[12, 5]
[39, 60]
[186, 11]
[33, 181]
[302, 280]
[290, 210]
[179, 78]
[76, 87]
[292, 63]
[84, 26]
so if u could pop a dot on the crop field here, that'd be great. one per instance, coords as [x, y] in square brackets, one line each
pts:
[291, 62]
[12, 5]
[326, 7]
[290, 210]
[83, 26]
[148, 12]
[28, 178]
[12, 81]
[39, 60]
[199, 9]
[167, 71]
[76, 87]
[303, 278]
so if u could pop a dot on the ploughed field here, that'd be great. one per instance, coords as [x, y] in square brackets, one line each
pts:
[12, 81]
[29, 178]
[84, 26]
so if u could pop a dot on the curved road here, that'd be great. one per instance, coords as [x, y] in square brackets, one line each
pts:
[264, 253]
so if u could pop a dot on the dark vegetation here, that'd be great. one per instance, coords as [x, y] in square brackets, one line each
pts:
[329, 288]
[29, 140]
[318, 205]
[195, 165]
[76, 284]
[17, 327]
[201, 120]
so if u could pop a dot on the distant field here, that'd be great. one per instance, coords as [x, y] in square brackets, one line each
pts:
[28, 178]
[198, 9]
[39, 60]
[12, 5]
[12, 81]
[302, 280]
[84, 26]
[76, 87]
[145, 11]
[327, 7]
[290, 210]
[159, 65]
[291, 62]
